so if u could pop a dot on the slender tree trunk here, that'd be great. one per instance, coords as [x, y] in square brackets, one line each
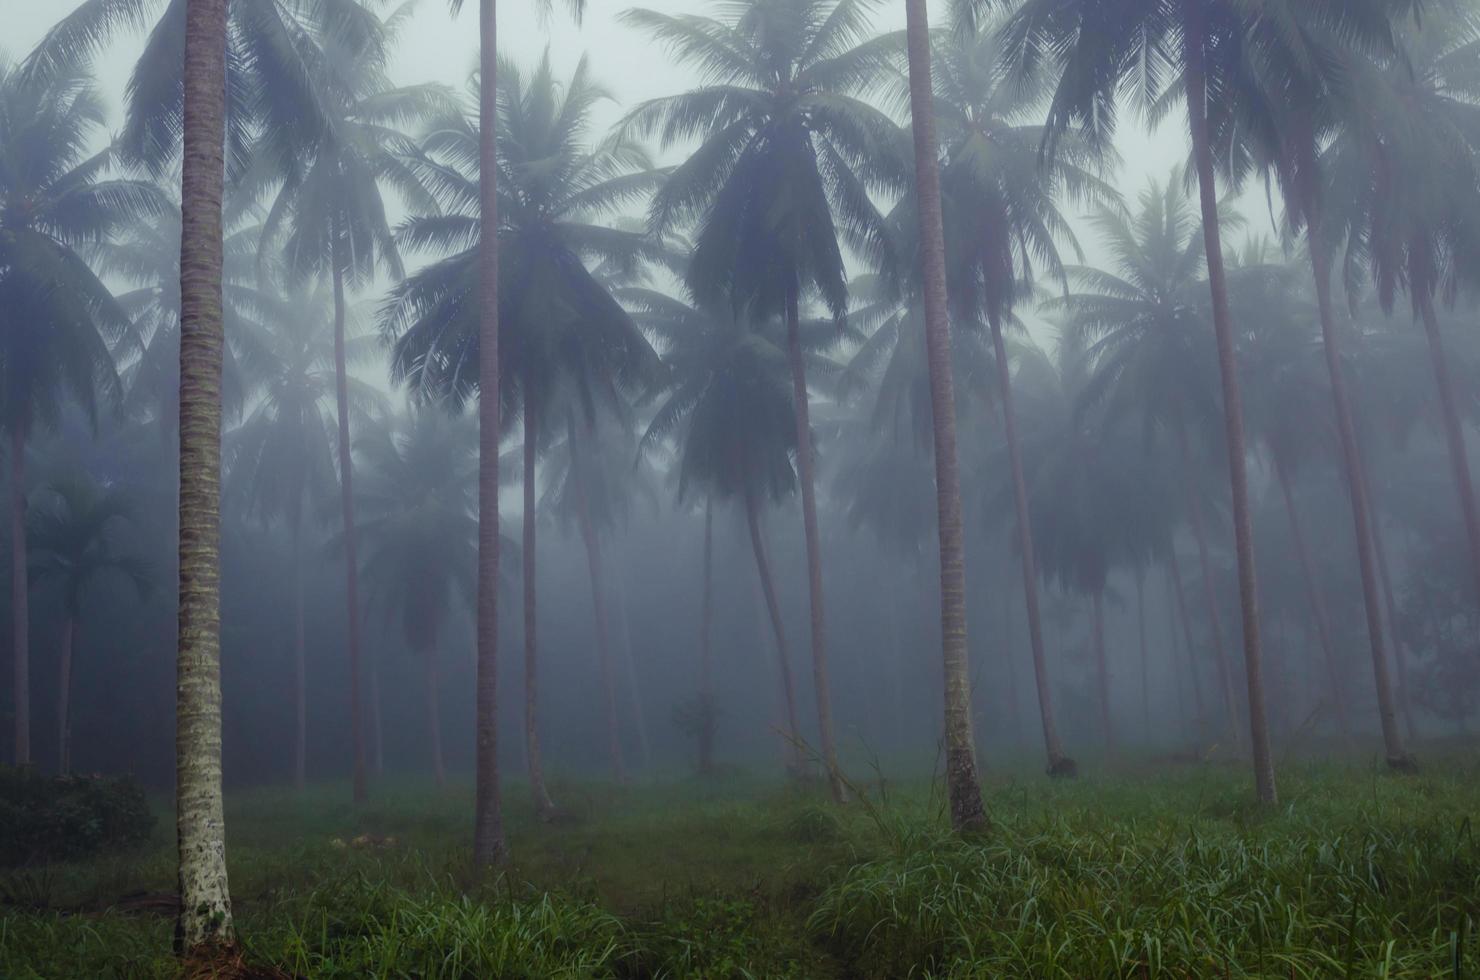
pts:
[598, 606]
[1009, 646]
[1058, 763]
[205, 902]
[544, 807]
[1181, 596]
[1176, 657]
[806, 474]
[64, 699]
[1313, 590]
[489, 847]
[300, 673]
[434, 711]
[1194, 34]
[773, 609]
[962, 783]
[377, 729]
[1390, 608]
[1145, 656]
[629, 666]
[1102, 669]
[1351, 455]
[347, 509]
[20, 590]
[1210, 596]
[706, 654]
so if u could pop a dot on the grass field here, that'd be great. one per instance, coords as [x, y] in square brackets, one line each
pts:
[1141, 873]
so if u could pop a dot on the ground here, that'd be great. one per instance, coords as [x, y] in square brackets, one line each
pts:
[1152, 869]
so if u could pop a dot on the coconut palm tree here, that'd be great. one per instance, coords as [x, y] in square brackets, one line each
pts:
[56, 202]
[786, 163]
[205, 901]
[420, 562]
[73, 546]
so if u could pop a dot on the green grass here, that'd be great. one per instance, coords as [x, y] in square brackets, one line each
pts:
[1143, 873]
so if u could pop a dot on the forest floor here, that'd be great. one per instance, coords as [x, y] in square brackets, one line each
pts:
[1145, 871]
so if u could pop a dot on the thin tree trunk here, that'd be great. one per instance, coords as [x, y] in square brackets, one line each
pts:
[807, 477]
[20, 589]
[598, 606]
[351, 542]
[1145, 656]
[1313, 590]
[773, 609]
[300, 673]
[1102, 669]
[64, 699]
[1058, 763]
[544, 807]
[377, 729]
[706, 654]
[489, 847]
[205, 902]
[1390, 607]
[962, 782]
[1176, 656]
[1194, 34]
[434, 712]
[1210, 596]
[1009, 647]
[1181, 596]
[629, 666]
[1392, 738]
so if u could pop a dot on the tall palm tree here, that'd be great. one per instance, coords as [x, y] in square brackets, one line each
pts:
[786, 162]
[56, 202]
[74, 545]
[205, 901]
[420, 533]
[963, 785]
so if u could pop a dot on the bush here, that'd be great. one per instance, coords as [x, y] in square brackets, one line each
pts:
[55, 819]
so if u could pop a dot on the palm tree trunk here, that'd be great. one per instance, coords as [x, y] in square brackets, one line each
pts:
[20, 590]
[773, 609]
[377, 728]
[1009, 647]
[1181, 595]
[1145, 657]
[1058, 763]
[64, 699]
[544, 807]
[1194, 34]
[706, 654]
[205, 901]
[347, 510]
[300, 674]
[598, 606]
[1210, 596]
[963, 785]
[434, 712]
[1390, 607]
[629, 667]
[1102, 669]
[1178, 683]
[1454, 435]
[1313, 590]
[489, 847]
[1392, 738]
[806, 474]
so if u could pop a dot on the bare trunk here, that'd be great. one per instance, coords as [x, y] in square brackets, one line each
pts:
[20, 613]
[1181, 596]
[1009, 647]
[351, 543]
[1145, 657]
[1356, 485]
[1390, 607]
[706, 654]
[807, 477]
[300, 674]
[962, 782]
[629, 666]
[489, 847]
[544, 807]
[377, 729]
[434, 712]
[1102, 669]
[1454, 435]
[1233, 410]
[1176, 656]
[205, 901]
[64, 699]
[773, 609]
[598, 606]
[1210, 596]
[1317, 599]
[1058, 763]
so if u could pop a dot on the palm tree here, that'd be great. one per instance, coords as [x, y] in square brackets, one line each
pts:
[205, 901]
[55, 203]
[420, 532]
[786, 161]
[73, 546]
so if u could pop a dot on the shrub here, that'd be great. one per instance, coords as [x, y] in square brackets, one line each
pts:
[55, 819]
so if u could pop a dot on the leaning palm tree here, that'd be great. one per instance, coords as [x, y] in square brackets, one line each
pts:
[62, 322]
[786, 162]
[74, 545]
[205, 901]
